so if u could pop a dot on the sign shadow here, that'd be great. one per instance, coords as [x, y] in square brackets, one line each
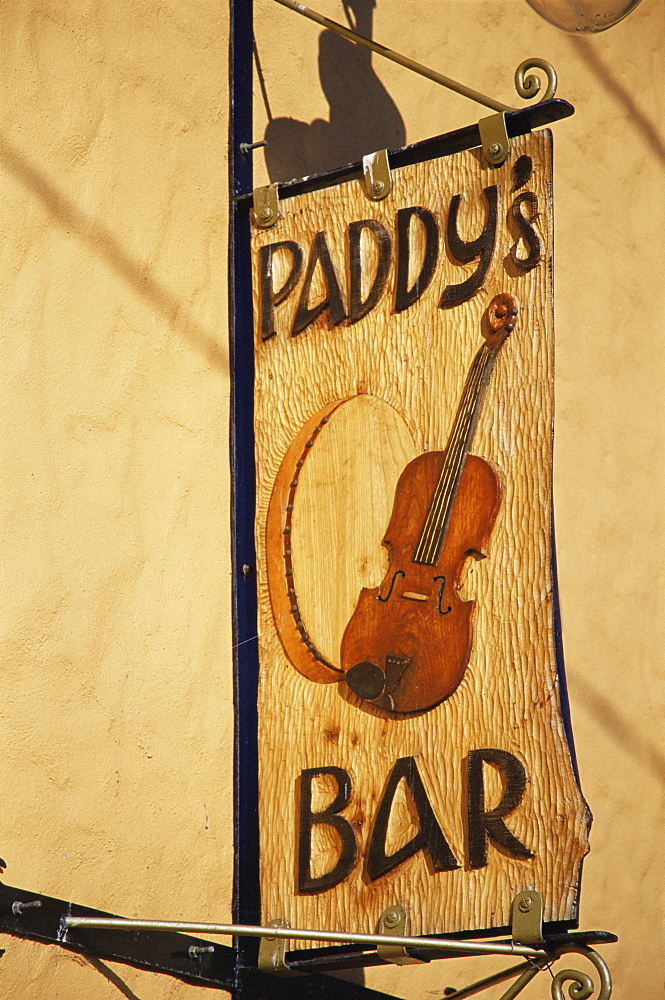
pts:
[363, 116]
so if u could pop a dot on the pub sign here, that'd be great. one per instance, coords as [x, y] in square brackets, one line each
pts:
[411, 739]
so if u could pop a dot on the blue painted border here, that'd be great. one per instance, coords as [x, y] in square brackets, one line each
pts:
[246, 896]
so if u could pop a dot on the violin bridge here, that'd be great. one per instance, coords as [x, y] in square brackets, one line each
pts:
[411, 595]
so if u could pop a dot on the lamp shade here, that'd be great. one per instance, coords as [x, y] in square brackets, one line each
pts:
[583, 16]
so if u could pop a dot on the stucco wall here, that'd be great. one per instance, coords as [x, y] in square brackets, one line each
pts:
[116, 718]
[116, 640]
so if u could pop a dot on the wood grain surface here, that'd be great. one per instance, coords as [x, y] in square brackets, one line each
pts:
[388, 385]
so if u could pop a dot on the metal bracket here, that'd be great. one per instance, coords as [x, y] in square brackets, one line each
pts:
[377, 174]
[395, 922]
[494, 138]
[164, 946]
[266, 206]
[527, 918]
[272, 951]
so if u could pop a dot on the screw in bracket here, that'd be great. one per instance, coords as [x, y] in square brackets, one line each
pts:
[18, 907]
[391, 918]
[195, 951]
[246, 147]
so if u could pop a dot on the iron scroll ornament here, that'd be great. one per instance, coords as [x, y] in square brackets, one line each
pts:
[528, 85]
[581, 985]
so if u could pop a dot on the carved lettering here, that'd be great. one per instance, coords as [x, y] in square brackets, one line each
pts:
[332, 299]
[429, 838]
[306, 883]
[268, 297]
[480, 249]
[525, 229]
[488, 826]
[416, 240]
[359, 307]
[483, 826]
[521, 172]
[405, 296]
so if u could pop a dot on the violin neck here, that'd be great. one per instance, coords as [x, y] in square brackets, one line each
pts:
[434, 529]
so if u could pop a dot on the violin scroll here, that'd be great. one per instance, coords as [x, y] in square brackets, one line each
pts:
[499, 320]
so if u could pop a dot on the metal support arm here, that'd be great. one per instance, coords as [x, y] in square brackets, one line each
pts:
[449, 946]
[161, 946]
[528, 85]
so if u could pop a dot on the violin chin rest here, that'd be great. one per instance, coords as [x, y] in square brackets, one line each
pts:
[366, 679]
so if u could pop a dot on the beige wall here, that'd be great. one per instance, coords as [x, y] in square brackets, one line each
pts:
[116, 639]
[116, 667]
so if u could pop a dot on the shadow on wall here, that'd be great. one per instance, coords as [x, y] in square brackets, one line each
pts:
[112, 977]
[363, 116]
[104, 244]
[605, 75]
[625, 734]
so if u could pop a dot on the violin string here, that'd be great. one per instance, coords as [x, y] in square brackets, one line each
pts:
[442, 487]
[456, 462]
[455, 458]
[423, 551]
[447, 474]
[429, 545]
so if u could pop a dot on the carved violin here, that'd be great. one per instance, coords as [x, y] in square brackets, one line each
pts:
[408, 642]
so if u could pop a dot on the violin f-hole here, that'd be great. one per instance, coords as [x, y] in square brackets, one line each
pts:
[399, 572]
[440, 595]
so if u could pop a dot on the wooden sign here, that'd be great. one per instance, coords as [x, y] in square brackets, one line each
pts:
[411, 743]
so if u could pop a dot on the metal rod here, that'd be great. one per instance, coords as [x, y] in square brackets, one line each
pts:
[383, 50]
[520, 984]
[299, 934]
[494, 980]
